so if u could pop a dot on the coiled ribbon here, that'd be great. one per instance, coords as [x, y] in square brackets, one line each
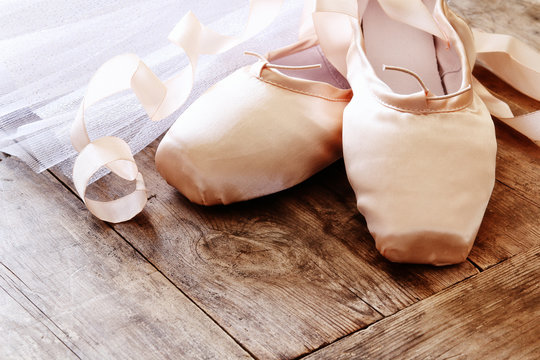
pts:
[507, 57]
[159, 99]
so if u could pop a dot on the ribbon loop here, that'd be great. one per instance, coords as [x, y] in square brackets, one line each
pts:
[527, 124]
[116, 154]
[510, 59]
[517, 64]
[159, 99]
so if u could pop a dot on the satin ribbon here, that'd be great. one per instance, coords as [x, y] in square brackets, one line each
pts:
[411, 12]
[328, 17]
[159, 99]
[503, 55]
[510, 59]
[307, 29]
[517, 64]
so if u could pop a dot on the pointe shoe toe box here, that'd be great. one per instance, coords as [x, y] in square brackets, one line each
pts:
[245, 138]
[422, 181]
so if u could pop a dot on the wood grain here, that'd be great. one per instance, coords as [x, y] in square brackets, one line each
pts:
[510, 226]
[518, 158]
[284, 274]
[94, 292]
[518, 18]
[511, 223]
[493, 315]
[291, 272]
[25, 337]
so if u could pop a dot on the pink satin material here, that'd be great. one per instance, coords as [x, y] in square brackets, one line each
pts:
[422, 166]
[517, 64]
[254, 133]
[158, 98]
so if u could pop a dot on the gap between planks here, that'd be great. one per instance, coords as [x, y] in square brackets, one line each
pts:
[46, 259]
[35, 312]
[397, 314]
[355, 345]
[157, 269]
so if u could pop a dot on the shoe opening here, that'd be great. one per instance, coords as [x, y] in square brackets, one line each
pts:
[422, 60]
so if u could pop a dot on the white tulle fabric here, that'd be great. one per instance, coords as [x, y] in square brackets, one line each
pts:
[51, 49]
[158, 98]
[422, 170]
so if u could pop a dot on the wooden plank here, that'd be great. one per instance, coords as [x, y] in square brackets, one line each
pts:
[25, 336]
[283, 274]
[518, 159]
[511, 222]
[510, 227]
[494, 315]
[517, 18]
[94, 291]
[518, 162]
[291, 272]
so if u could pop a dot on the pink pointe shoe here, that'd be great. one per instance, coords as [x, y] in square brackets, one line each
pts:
[264, 128]
[418, 142]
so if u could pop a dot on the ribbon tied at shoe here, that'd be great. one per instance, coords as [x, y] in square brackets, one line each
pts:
[507, 57]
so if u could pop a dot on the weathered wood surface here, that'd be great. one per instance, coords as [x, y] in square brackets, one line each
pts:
[494, 315]
[283, 275]
[512, 221]
[510, 226]
[518, 158]
[25, 337]
[81, 283]
[291, 272]
[519, 18]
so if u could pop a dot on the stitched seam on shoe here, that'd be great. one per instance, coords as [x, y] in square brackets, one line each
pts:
[303, 92]
[420, 110]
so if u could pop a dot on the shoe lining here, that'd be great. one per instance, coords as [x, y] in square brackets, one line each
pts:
[327, 73]
[393, 43]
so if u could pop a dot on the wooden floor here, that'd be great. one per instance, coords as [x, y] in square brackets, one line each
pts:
[289, 275]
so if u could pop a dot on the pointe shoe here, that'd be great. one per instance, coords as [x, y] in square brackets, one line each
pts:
[264, 128]
[418, 142]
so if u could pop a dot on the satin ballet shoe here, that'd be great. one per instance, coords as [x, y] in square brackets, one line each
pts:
[418, 142]
[264, 128]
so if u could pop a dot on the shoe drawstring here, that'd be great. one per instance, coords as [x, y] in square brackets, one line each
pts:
[423, 85]
[282, 67]
[410, 72]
